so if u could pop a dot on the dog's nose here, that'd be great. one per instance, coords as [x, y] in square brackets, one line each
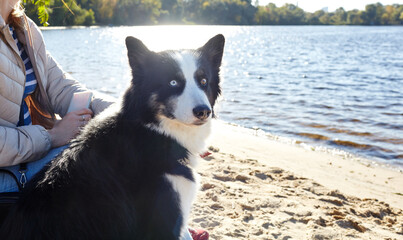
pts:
[202, 112]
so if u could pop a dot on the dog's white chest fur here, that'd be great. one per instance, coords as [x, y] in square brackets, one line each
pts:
[186, 190]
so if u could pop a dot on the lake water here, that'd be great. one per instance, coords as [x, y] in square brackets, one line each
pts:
[334, 86]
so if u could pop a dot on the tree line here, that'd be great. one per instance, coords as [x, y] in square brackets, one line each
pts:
[221, 12]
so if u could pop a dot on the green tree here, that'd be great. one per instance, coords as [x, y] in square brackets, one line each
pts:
[314, 18]
[339, 17]
[267, 15]
[325, 18]
[240, 12]
[68, 13]
[172, 11]
[290, 14]
[137, 12]
[397, 15]
[354, 17]
[373, 14]
[103, 9]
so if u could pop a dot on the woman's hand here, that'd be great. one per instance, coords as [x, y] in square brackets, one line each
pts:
[70, 126]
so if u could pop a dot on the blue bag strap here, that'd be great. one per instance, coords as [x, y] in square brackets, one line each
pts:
[11, 173]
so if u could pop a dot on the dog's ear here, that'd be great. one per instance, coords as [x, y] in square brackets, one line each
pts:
[213, 50]
[136, 51]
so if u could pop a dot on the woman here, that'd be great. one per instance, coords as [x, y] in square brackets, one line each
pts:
[33, 89]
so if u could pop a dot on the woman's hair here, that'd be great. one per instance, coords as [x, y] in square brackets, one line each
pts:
[16, 15]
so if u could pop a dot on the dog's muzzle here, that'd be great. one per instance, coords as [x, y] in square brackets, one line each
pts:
[202, 112]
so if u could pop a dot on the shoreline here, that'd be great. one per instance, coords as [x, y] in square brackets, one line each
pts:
[321, 147]
[254, 187]
[260, 145]
[43, 28]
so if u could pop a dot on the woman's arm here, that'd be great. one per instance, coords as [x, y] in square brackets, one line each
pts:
[23, 144]
[59, 86]
[29, 143]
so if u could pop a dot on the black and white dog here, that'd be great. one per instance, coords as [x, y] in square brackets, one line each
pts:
[130, 175]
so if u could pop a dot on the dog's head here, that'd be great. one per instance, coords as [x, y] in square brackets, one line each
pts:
[181, 86]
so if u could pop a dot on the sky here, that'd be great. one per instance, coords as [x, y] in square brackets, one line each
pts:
[313, 5]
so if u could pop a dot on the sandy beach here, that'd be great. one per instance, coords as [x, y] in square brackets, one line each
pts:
[254, 187]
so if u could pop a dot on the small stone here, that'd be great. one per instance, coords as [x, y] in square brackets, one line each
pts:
[216, 206]
[242, 178]
[247, 207]
[276, 170]
[223, 178]
[258, 232]
[321, 222]
[377, 221]
[213, 149]
[247, 217]
[357, 226]
[262, 176]
[207, 186]
[266, 225]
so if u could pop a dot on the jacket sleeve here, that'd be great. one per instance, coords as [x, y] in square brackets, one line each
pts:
[59, 85]
[22, 144]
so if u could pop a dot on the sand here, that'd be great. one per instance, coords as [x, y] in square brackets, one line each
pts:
[254, 187]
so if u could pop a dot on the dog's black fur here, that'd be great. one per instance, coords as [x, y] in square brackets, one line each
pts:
[109, 184]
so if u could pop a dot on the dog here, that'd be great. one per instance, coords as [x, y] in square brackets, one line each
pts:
[130, 174]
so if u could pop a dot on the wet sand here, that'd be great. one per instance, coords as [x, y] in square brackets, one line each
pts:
[253, 187]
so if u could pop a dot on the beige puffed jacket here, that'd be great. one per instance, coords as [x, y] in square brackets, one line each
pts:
[28, 143]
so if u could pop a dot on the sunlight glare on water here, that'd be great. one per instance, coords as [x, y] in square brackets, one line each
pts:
[98, 56]
[159, 38]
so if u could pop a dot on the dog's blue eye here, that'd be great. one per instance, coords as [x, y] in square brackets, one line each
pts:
[203, 82]
[173, 83]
